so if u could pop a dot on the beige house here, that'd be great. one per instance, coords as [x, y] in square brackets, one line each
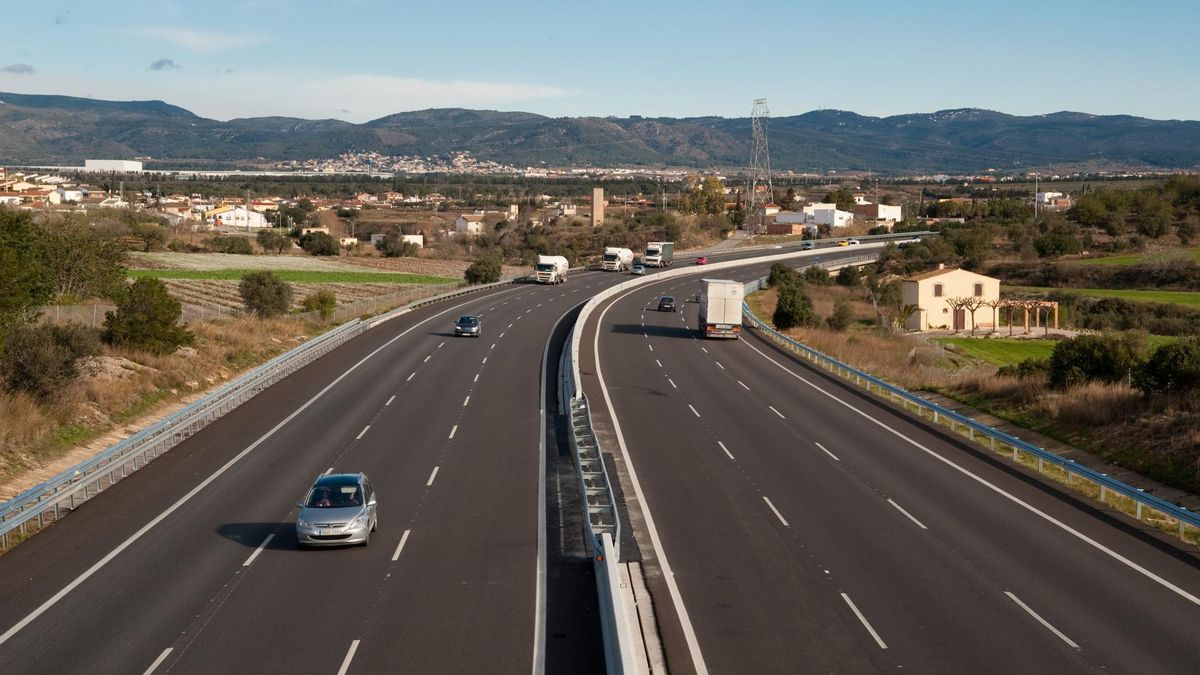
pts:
[469, 224]
[935, 293]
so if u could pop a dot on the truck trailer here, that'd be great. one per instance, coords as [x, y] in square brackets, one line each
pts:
[659, 254]
[721, 308]
[617, 259]
[551, 269]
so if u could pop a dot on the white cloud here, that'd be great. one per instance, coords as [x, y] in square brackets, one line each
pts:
[202, 40]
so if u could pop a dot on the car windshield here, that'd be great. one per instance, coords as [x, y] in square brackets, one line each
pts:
[334, 497]
[667, 300]
[468, 321]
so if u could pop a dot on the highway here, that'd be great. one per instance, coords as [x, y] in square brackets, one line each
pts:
[190, 565]
[788, 522]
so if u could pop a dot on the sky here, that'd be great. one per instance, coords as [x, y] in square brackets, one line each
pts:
[359, 60]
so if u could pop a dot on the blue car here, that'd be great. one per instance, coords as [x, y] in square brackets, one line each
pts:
[638, 269]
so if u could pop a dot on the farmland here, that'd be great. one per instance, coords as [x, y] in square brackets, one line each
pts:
[1135, 258]
[1186, 298]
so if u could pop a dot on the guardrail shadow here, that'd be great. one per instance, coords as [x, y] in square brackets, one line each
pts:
[654, 331]
[251, 535]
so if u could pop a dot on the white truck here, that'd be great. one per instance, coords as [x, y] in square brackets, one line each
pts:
[551, 269]
[659, 254]
[617, 259]
[721, 308]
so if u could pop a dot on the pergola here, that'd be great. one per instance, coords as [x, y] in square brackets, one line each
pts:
[1027, 305]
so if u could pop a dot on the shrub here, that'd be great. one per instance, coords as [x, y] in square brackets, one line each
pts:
[230, 244]
[1029, 368]
[395, 247]
[1173, 367]
[849, 276]
[39, 360]
[817, 275]
[1087, 358]
[782, 275]
[322, 301]
[319, 243]
[271, 240]
[265, 294]
[842, 314]
[794, 309]
[486, 270]
[147, 318]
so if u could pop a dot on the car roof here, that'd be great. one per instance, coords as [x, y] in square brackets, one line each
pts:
[468, 317]
[338, 479]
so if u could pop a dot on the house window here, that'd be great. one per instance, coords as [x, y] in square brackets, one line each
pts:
[978, 290]
[937, 290]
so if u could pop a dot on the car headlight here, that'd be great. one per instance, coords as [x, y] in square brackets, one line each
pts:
[300, 523]
[359, 521]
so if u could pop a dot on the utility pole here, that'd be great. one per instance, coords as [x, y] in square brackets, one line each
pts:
[760, 167]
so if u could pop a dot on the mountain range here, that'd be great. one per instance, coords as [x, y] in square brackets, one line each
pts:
[47, 130]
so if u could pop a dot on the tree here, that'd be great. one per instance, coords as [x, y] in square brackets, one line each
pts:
[25, 279]
[1187, 229]
[230, 244]
[1173, 367]
[704, 196]
[84, 263]
[40, 360]
[153, 235]
[794, 308]
[322, 301]
[782, 275]
[393, 246]
[972, 305]
[849, 276]
[1104, 358]
[843, 198]
[818, 275]
[486, 270]
[271, 240]
[265, 294]
[147, 318]
[905, 313]
[842, 315]
[319, 243]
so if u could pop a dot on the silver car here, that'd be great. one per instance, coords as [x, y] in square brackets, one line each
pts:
[339, 509]
[468, 325]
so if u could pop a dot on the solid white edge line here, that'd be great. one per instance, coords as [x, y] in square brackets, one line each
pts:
[835, 457]
[1042, 621]
[328, 471]
[389, 401]
[725, 449]
[362, 433]
[777, 412]
[685, 622]
[349, 657]
[693, 410]
[906, 513]
[432, 476]
[205, 483]
[400, 546]
[998, 490]
[865, 623]
[777, 513]
[158, 662]
[250, 560]
[453, 430]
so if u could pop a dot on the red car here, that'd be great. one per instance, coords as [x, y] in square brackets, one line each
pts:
[702, 260]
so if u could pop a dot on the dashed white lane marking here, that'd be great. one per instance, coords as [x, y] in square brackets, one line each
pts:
[651, 347]
[389, 401]
[427, 358]
[493, 307]
[349, 657]
[835, 457]
[476, 378]
[777, 513]
[910, 516]
[361, 433]
[158, 662]
[441, 344]
[484, 360]
[509, 325]
[777, 412]
[493, 346]
[410, 376]
[743, 385]
[466, 401]
[672, 383]
[725, 449]
[250, 560]
[865, 623]
[693, 410]
[719, 365]
[704, 350]
[658, 362]
[502, 335]
[432, 476]
[400, 546]
[453, 430]
[1042, 621]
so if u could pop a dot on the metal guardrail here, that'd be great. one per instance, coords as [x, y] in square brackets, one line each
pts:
[1176, 517]
[50, 500]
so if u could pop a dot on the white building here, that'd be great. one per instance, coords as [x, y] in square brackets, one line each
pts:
[469, 224]
[236, 217]
[65, 195]
[112, 165]
[832, 217]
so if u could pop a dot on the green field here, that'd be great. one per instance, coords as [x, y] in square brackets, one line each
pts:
[298, 276]
[1187, 298]
[1135, 258]
[1000, 351]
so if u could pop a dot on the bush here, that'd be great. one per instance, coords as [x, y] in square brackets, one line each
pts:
[1172, 367]
[322, 301]
[40, 360]
[486, 270]
[782, 275]
[849, 276]
[794, 309]
[842, 315]
[395, 247]
[265, 294]
[230, 244]
[319, 243]
[817, 275]
[271, 240]
[1029, 368]
[1087, 358]
[147, 318]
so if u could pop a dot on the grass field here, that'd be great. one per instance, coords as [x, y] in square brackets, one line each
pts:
[297, 276]
[1001, 352]
[1135, 258]
[1188, 298]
